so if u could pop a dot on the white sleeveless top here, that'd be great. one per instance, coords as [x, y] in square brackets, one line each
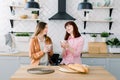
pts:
[44, 59]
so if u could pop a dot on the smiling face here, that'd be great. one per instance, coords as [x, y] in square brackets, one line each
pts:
[69, 29]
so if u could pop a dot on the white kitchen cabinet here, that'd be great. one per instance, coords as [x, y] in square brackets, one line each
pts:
[94, 61]
[24, 60]
[114, 67]
[8, 65]
[110, 64]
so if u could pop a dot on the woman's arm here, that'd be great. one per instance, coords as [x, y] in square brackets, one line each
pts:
[63, 52]
[70, 49]
[77, 47]
[32, 53]
[66, 47]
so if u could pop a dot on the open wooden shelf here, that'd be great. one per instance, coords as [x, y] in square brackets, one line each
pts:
[94, 33]
[17, 6]
[103, 7]
[109, 21]
[98, 20]
[18, 19]
[103, 21]
[12, 7]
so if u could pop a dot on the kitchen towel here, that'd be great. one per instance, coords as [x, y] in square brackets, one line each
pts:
[9, 41]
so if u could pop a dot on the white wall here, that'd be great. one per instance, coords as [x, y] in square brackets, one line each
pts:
[4, 22]
[56, 27]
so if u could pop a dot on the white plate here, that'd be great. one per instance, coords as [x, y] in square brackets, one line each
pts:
[108, 2]
[100, 3]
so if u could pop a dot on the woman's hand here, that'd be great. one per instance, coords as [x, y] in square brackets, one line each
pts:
[47, 48]
[40, 54]
[64, 44]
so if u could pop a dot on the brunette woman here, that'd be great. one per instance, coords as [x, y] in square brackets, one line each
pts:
[40, 45]
[72, 44]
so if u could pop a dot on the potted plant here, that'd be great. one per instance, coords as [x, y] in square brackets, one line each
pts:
[35, 14]
[114, 45]
[93, 37]
[104, 36]
[22, 36]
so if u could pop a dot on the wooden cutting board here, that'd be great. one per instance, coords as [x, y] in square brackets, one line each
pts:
[97, 47]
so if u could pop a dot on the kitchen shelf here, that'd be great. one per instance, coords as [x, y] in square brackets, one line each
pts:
[110, 10]
[103, 7]
[12, 7]
[17, 19]
[20, 32]
[109, 21]
[104, 21]
[98, 20]
[17, 6]
[94, 33]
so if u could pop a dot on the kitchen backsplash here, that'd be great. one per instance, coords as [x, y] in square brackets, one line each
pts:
[56, 27]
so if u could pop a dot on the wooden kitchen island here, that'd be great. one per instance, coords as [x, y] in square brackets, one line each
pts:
[95, 73]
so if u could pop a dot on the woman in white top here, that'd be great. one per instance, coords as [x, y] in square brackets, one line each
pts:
[40, 45]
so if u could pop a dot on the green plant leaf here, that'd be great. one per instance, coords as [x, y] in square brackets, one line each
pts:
[104, 34]
[94, 35]
[23, 34]
[113, 42]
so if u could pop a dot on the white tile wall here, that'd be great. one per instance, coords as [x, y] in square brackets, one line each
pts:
[56, 27]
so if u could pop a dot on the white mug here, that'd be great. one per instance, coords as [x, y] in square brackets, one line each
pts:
[63, 41]
[49, 46]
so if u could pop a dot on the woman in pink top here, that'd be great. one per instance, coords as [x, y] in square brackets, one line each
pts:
[72, 44]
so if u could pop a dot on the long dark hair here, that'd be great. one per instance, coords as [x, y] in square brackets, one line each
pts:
[75, 30]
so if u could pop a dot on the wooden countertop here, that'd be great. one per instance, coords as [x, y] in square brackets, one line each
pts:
[84, 55]
[108, 55]
[19, 54]
[95, 73]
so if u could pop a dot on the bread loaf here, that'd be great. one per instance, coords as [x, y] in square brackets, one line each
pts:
[86, 68]
[79, 68]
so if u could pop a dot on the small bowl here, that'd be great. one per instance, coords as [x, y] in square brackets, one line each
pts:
[23, 16]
